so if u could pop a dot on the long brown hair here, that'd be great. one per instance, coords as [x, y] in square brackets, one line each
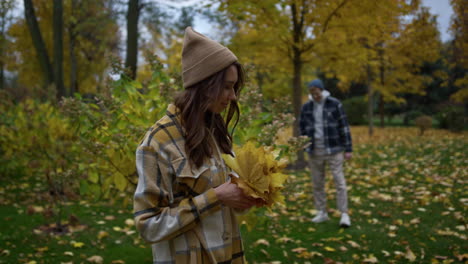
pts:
[197, 120]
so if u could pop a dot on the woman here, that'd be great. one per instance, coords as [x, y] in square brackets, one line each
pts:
[184, 203]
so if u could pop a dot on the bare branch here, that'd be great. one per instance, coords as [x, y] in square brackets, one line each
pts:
[332, 14]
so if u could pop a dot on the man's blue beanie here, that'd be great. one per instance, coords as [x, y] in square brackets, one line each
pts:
[316, 83]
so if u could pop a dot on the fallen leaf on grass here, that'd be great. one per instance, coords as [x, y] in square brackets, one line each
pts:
[32, 209]
[299, 250]
[95, 259]
[410, 255]
[118, 262]
[130, 222]
[262, 242]
[77, 244]
[329, 249]
[265, 253]
[109, 217]
[386, 253]
[102, 234]
[42, 249]
[308, 255]
[68, 253]
[77, 228]
[284, 239]
[371, 259]
[354, 244]
[462, 257]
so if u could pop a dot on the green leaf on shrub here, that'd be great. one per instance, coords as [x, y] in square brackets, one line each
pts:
[93, 177]
[120, 182]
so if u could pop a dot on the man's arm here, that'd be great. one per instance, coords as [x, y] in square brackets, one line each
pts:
[344, 130]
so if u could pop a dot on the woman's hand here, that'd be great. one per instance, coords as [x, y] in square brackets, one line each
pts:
[233, 196]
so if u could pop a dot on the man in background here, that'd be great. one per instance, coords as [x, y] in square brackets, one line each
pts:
[324, 121]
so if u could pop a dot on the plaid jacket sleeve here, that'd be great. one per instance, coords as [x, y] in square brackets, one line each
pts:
[344, 131]
[159, 213]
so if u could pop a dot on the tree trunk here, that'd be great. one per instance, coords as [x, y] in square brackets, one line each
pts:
[382, 83]
[2, 56]
[260, 77]
[58, 48]
[2, 78]
[297, 21]
[131, 60]
[297, 100]
[73, 66]
[382, 111]
[38, 43]
[73, 61]
[370, 94]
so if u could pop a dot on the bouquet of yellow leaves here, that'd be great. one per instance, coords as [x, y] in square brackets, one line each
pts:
[259, 173]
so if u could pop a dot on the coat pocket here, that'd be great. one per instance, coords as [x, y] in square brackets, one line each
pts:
[182, 169]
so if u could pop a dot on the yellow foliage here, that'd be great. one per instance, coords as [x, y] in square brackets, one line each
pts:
[92, 46]
[461, 96]
[259, 173]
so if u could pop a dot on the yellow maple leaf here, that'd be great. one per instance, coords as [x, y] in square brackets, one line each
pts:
[329, 249]
[77, 244]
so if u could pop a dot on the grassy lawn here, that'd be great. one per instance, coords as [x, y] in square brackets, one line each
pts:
[408, 203]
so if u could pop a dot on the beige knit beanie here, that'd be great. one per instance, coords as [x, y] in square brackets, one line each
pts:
[202, 57]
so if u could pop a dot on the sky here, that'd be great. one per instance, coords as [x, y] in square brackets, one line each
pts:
[444, 11]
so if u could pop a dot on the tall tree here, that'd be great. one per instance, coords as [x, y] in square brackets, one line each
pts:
[133, 14]
[58, 48]
[5, 9]
[95, 36]
[38, 42]
[379, 47]
[72, 36]
[295, 26]
[187, 15]
[459, 48]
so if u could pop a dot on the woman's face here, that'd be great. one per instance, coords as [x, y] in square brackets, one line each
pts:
[228, 94]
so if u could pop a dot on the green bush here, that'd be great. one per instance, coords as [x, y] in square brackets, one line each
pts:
[411, 116]
[452, 117]
[423, 122]
[356, 110]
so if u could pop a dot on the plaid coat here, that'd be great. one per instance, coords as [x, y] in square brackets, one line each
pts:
[336, 132]
[175, 206]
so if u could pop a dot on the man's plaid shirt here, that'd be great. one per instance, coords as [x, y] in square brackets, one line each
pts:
[175, 206]
[337, 135]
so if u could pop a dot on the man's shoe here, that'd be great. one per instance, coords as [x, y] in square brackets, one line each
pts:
[345, 221]
[322, 216]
